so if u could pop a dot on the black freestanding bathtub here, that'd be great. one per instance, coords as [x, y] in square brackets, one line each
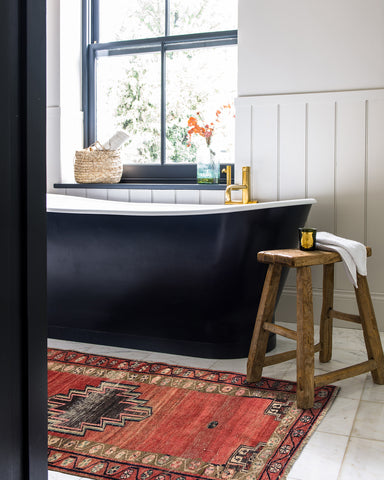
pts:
[174, 278]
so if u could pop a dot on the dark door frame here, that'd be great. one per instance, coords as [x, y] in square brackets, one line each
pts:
[23, 397]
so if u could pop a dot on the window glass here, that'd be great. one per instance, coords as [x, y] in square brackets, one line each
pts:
[129, 99]
[154, 90]
[201, 83]
[202, 16]
[131, 19]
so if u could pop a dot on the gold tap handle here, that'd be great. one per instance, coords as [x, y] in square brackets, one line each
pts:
[228, 172]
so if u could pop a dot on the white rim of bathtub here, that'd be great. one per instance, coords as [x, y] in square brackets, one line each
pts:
[57, 203]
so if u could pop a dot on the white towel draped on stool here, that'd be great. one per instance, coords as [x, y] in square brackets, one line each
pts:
[353, 254]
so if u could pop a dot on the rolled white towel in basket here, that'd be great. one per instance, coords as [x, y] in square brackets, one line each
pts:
[353, 254]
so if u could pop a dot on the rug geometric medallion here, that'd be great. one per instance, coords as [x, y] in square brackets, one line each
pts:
[111, 418]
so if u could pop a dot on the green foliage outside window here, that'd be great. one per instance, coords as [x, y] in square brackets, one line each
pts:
[196, 79]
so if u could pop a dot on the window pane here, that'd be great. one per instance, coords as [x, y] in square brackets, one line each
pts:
[201, 80]
[131, 19]
[128, 98]
[202, 16]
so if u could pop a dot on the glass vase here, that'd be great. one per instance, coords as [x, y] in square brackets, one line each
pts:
[208, 169]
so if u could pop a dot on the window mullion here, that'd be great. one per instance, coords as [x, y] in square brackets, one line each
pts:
[86, 28]
[95, 15]
[163, 104]
[210, 37]
[163, 111]
[167, 20]
[91, 96]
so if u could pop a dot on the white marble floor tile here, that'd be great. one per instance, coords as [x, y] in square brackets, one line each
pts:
[364, 460]
[63, 476]
[340, 417]
[372, 392]
[369, 423]
[180, 360]
[99, 349]
[321, 458]
[238, 365]
[348, 339]
[351, 387]
[291, 371]
[276, 371]
[69, 345]
[341, 359]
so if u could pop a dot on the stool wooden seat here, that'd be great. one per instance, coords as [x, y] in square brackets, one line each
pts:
[304, 334]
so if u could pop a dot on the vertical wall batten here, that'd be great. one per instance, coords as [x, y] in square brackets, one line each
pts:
[118, 195]
[243, 145]
[366, 175]
[292, 149]
[187, 196]
[375, 192]
[212, 197]
[163, 196]
[251, 158]
[320, 164]
[334, 171]
[306, 150]
[320, 157]
[75, 192]
[350, 168]
[264, 181]
[144, 196]
[99, 193]
[278, 152]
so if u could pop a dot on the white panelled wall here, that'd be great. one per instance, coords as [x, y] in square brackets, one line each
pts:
[329, 146]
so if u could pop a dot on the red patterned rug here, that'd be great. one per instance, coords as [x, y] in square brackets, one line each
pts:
[111, 418]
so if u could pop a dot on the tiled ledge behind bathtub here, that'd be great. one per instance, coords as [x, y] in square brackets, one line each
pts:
[213, 197]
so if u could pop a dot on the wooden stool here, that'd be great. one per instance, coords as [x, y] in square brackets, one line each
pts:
[304, 354]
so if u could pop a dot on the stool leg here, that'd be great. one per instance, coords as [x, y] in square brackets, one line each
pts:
[326, 322]
[264, 314]
[305, 344]
[369, 324]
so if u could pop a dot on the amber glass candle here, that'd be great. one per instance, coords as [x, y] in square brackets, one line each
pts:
[307, 238]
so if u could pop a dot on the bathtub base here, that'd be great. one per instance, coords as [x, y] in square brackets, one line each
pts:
[153, 344]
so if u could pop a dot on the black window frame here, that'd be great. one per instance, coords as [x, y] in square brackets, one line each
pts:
[92, 48]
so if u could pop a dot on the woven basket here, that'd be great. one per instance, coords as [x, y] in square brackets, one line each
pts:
[98, 166]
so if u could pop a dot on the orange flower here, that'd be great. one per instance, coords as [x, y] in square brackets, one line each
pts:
[206, 131]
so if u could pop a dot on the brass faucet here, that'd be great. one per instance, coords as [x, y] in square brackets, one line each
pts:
[228, 171]
[245, 187]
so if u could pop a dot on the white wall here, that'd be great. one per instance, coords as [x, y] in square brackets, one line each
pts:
[64, 104]
[326, 145]
[53, 93]
[295, 46]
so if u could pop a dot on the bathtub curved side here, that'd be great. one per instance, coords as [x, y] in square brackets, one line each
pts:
[179, 284]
